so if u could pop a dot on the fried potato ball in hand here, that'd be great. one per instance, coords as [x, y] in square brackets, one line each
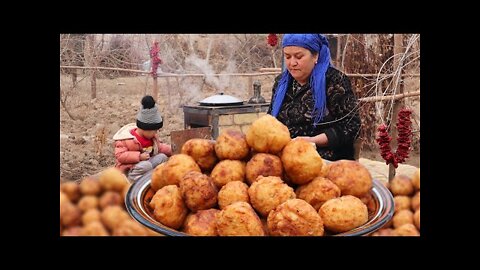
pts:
[416, 179]
[407, 229]
[301, 161]
[110, 198]
[232, 144]
[343, 214]
[264, 165]
[174, 170]
[198, 191]
[202, 151]
[112, 216]
[70, 215]
[401, 185]
[402, 217]
[239, 219]
[129, 227]
[112, 179]
[91, 215]
[318, 191]
[168, 206]
[95, 228]
[402, 203]
[201, 223]
[268, 135]
[416, 218]
[416, 201]
[235, 191]
[88, 202]
[351, 177]
[90, 186]
[228, 170]
[72, 190]
[295, 217]
[268, 192]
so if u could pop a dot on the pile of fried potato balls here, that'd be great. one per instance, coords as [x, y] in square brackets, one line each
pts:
[406, 219]
[95, 207]
[262, 183]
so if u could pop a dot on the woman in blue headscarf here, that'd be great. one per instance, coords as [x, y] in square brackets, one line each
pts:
[314, 99]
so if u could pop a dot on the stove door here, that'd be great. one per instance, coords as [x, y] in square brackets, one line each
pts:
[179, 137]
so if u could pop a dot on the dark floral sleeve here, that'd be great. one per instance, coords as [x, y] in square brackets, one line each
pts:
[343, 108]
[275, 83]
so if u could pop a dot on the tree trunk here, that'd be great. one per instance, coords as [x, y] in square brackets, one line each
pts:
[90, 58]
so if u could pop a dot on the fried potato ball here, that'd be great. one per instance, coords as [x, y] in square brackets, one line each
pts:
[112, 179]
[402, 203]
[325, 167]
[344, 213]
[110, 198]
[87, 202]
[401, 185]
[268, 192]
[235, 191]
[174, 170]
[402, 217]
[73, 231]
[416, 218]
[317, 192]
[416, 179]
[90, 186]
[369, 201]
[384, 232]
[202, 223]
[70, 215]
[228, 170]
[72, 190]
[158, 180]
[91, 215]
[112, 216]
[264, 165]
[268, 135]
[239, 219]
[295, 217]
[202, 151]
[95, 228]
[232, 144]
[407, 229]
[351, 177]
[198, 191]
[129, 227]
[168, 206]
[416, 201]
[301, 161]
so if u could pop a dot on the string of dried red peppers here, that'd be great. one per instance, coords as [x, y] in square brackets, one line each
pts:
[404, 127]
[155, 59]
[272, 40]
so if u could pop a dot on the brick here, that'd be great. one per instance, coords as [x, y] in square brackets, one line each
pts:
[245, 128]
[225, 120]
[244, 118]
[234, 127]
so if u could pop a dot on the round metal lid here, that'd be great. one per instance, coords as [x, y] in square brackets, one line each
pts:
[221, 99]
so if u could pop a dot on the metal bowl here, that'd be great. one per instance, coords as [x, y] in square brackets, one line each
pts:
[139, 196]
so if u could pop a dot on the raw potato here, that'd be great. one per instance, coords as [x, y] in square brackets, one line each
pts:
[318, 191]
[198, 191]
[169, 208]
[202, 151]
[269, 192]
[202, 223]
[416, 201]
[91, 215]
[112, 179]
[401, 185]
[295, 217]
[88, 202]
[402, 217]
[239, 219]
[90, 186]
[416, 179]
[129, 227]
[110, 198]
[235, 191]
[402, 203]
[268, 135]
[95, 228]
[343, 214]
[264, 165]
[416, 219]
[301, 161]
[351, 177]
[72, 190]
[407, 229]
[112, 216]
[228, 170]
[232, 144]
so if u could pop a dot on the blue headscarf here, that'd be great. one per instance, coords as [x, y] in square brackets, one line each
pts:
[315, 43]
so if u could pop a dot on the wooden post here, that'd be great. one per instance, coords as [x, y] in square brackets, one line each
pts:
[398, 104]
[155, 88]
[92, 62]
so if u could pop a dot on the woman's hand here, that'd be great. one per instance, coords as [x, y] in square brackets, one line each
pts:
[319, 140]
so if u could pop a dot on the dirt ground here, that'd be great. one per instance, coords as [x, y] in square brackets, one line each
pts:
[86, 144]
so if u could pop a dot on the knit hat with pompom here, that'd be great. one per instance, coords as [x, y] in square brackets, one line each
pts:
[148, 117]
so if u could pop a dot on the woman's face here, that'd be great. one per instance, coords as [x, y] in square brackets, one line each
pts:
[299, 62]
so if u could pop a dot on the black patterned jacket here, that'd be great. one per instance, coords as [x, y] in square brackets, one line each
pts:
[341, 123]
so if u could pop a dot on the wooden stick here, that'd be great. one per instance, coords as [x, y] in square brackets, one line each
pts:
[394, 97]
